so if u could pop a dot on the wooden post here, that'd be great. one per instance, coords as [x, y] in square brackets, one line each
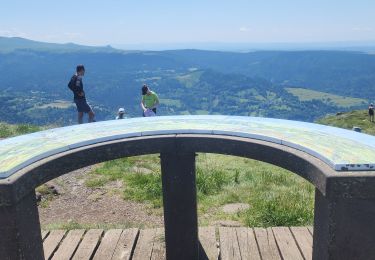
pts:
[180, 205]
[344, 228]
[20, 236]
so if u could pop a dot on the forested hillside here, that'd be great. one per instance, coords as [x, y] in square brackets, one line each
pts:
[34, 77]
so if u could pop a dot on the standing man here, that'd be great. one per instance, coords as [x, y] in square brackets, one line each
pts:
[76, 85]
[149, 101]
[371, 112]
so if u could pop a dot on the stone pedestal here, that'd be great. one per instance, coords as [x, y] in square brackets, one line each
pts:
[180, 205]
[20, 236]
[344, 228]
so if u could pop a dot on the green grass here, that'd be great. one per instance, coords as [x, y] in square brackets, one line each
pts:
[62, 104]
[189, 80]
[340, 101]
[144, 188]
[170, 102]
[9, 130]
[70, 225]
[201, 112]
[347, 120]
[276, 196]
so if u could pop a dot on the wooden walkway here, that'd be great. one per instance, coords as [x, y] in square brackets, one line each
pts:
[219, 243]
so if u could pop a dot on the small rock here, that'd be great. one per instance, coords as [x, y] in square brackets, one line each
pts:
[38, 196]
[141, 170]
[235, 207]
[53, 188]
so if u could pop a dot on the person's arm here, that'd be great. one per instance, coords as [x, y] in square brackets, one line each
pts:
[143, 105]
[79, 87]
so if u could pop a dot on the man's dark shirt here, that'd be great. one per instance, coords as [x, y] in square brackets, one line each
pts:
[78, 87]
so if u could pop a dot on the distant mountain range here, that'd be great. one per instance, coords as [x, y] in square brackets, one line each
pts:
[364, 46]
[10, 44]
[301, 85]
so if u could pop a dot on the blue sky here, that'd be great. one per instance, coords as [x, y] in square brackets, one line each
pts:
[94, 22]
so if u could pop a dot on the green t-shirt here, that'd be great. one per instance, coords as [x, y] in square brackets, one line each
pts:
[150, 100]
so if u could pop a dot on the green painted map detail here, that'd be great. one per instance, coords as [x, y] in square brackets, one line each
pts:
[341, 149]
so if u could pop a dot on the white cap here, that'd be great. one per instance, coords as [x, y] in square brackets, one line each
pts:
[121, 110]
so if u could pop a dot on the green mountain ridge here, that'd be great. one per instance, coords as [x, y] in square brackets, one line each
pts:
[11, 44]
[348, 120]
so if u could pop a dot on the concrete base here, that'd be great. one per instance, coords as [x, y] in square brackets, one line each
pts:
[20, 236]
[344, 228]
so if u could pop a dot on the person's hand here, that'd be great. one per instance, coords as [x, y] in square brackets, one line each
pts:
[81, 94]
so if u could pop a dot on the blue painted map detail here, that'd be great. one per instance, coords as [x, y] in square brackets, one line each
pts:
[341, 149]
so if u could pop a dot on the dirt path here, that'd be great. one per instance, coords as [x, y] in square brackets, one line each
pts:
[76, 203]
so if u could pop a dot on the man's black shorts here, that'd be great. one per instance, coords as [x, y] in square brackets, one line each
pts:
[82, 105]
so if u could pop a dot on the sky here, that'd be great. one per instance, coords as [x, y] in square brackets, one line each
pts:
[121, 22]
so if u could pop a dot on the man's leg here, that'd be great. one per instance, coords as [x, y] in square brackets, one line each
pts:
[91, 116]
[80, 117]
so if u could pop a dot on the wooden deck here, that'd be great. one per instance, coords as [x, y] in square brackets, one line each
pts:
[219, 243]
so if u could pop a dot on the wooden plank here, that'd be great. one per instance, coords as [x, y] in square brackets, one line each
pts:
[44, 234]
[229, 248]
[247, 244]
[158, 247]
[311, 229]
[126, 244]
[207, 238]
[143, 249]
[304, 241]
[69, 245]
[267, 244]
[286, 243]
[108, 244]
[88, 245]
[52, 242]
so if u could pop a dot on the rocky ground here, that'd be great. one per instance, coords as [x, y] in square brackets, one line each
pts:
[68, 200]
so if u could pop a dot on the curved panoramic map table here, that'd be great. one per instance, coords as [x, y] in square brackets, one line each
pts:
[342, 149]
[338, 162]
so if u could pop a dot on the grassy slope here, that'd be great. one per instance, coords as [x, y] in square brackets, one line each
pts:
[8, 130]
[348, 120]
[340, 101]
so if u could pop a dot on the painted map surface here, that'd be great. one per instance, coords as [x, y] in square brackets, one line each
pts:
[337, 147]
